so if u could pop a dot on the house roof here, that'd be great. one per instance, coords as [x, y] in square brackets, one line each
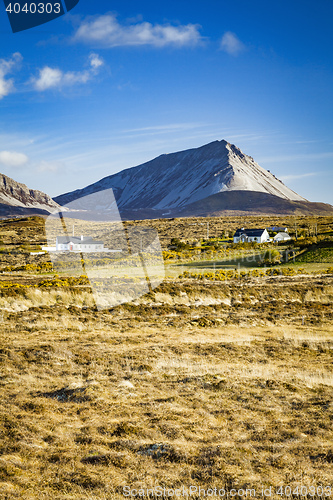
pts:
[249, 232]
[283, 235]
[77, 240]
[277, 228]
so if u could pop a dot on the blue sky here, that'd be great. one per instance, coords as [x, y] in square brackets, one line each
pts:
[113, 84]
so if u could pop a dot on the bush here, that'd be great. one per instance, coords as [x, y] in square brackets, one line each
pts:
[272, 257]
[288, 271]
[180, 245]
[306, 242]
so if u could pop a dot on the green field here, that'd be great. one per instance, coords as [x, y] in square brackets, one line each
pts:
[319, 254]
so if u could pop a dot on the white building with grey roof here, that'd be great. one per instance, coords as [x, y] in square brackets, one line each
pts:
[78, 244]
[248, 235]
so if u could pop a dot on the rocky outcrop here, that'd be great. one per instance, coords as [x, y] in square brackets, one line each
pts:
[17, 199]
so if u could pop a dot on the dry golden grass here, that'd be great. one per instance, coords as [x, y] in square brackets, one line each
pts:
[160, 393]
[200, 383]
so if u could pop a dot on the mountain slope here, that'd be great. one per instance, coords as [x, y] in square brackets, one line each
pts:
[252, 203]
[171, 183]
[178, 179]
[18, 199]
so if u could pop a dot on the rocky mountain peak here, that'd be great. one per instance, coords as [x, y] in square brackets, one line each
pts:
[175, 180]
[16, 194]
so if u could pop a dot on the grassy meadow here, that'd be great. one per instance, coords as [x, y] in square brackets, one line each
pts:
[219, 377]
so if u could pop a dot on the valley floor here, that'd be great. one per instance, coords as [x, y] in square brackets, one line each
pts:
[219, 378]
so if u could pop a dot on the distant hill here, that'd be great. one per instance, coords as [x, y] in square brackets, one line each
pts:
[213, 179]
[254, 203]
[18, 199]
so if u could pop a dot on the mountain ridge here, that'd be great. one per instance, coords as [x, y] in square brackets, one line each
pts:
[174, 180]
[17, 199]
[214, 179]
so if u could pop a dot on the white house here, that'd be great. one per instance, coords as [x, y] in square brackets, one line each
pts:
[248, 235]
[282, 237]
[78, 244]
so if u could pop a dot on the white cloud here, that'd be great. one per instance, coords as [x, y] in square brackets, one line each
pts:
[297, 176]
[95, 61]
[7, 66]
[106, 31]
[231, 44]
[55, 78]
[13, 159]
[72, 77]
[48, 78]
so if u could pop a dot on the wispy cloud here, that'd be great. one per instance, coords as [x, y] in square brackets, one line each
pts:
[6, 67]
[13, 159]
[297, 176]
[244, 137]
[167, 127]
[231, 44]
[106, 31]
[50, 166]
[296, 157]
[55, 78]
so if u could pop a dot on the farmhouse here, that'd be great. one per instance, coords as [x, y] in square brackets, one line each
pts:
[247, 235]
[282, 237]
[78, 244]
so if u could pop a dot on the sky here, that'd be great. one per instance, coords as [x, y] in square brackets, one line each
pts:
[113, 84]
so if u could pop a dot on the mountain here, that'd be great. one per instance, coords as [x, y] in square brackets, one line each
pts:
[17, 199]
[183, 183]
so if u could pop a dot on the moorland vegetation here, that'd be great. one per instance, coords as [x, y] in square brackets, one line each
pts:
[221, 376]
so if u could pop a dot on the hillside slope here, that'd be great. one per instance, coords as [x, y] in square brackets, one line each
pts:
[17, 199]
[253, 203]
